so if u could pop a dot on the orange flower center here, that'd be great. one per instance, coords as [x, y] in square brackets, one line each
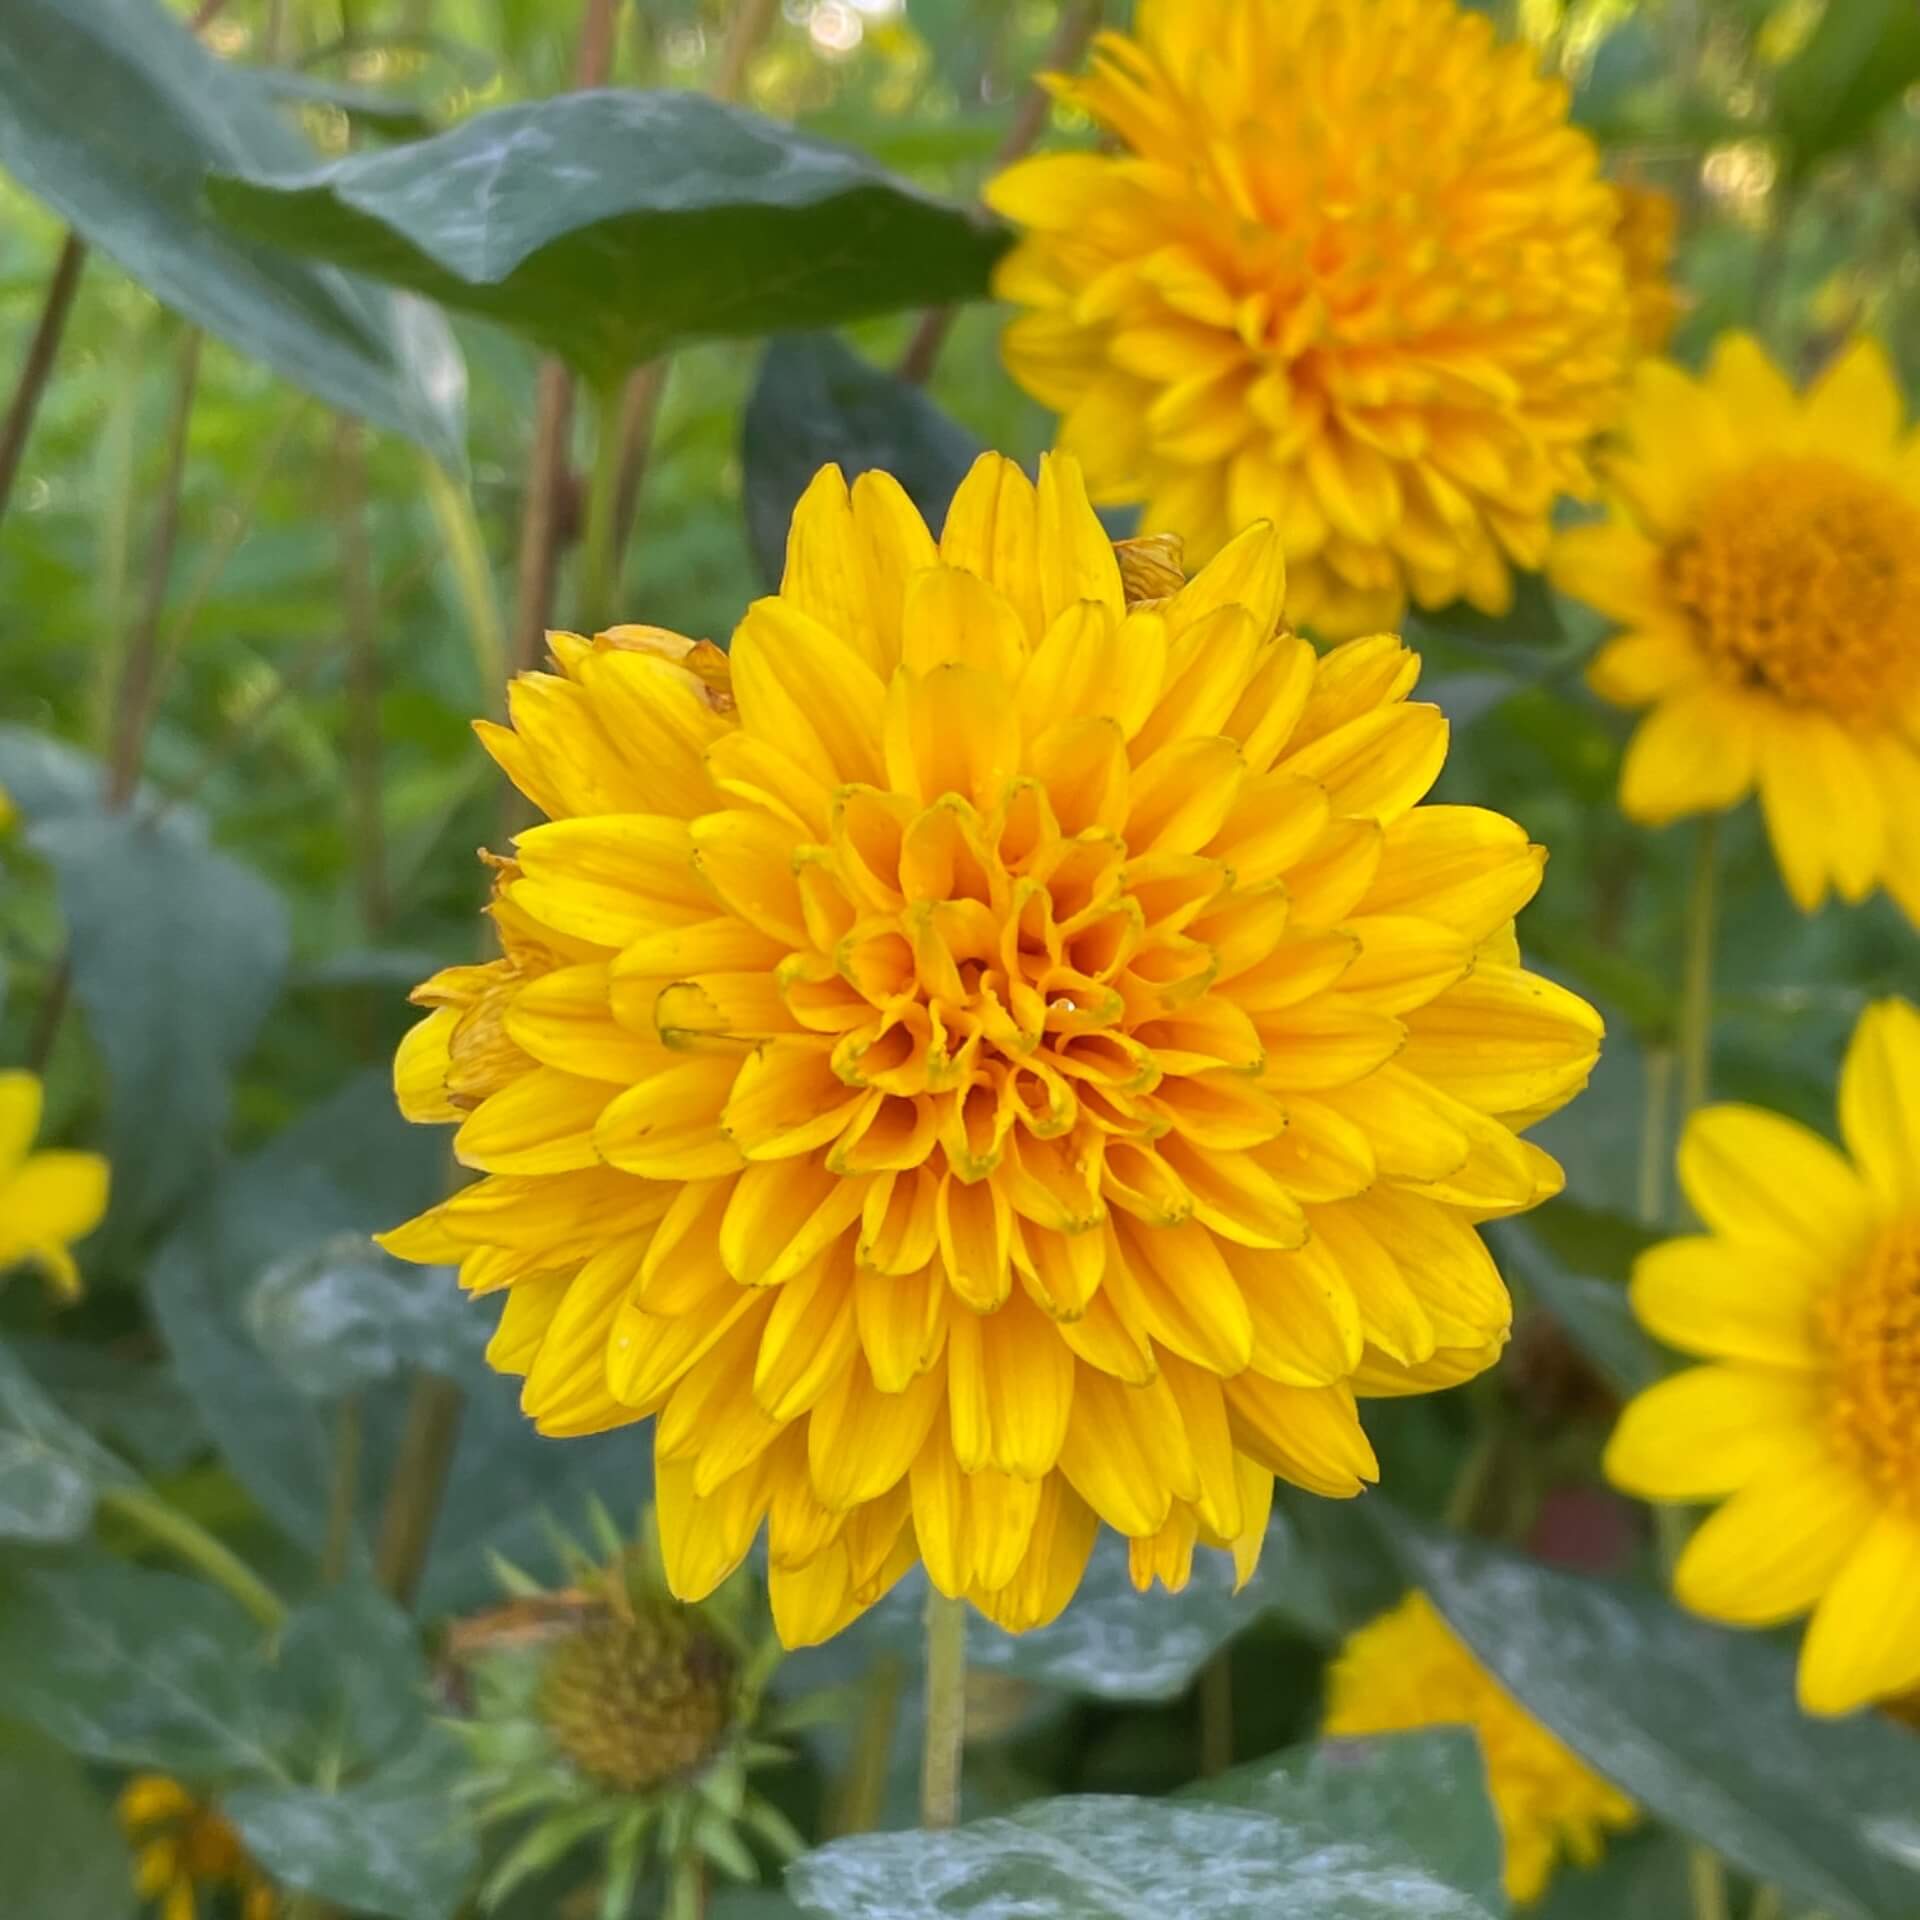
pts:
[1803, 579]
[1875, 1325]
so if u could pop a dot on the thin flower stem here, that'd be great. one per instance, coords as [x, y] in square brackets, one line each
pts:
[41, 350]
[639, 413]
[857, 1806]
[686, 1888]
[1696, 992]
[162, 1521]
[1069, 42]
[1216, 1715]
[1768, 1904]
[946, 1730]
[139, 678]
[1707, 1882]
[599, 554]
[419, 1479]
[465, 547]
[540, 515]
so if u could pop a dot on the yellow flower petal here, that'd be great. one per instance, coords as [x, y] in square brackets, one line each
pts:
[1710, 1430]
[1864, 1640]
[1763, 1180]
[1880, 1103]
[1726, 1301]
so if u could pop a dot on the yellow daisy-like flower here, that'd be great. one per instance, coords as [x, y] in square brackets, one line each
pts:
[186, 1851]
[1804, 1297]
[1410, 1669]
[47, 1200]
[1763, 554]
[1348, 269]
[986, 1058]
[1644, 233]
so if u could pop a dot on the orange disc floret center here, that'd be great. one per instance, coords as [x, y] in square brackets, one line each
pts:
[1874, 1324]
[1802, 578]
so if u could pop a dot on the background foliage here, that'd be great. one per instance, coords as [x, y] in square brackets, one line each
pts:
[264, 557]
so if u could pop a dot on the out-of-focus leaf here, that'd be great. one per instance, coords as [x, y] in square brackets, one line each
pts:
[177, 954]
[352, 1165]
[115, 114]
[614, 226]
[349, 1674]
[1861, 57]
[1593, 1312]
[1534, 620]
[1422, 1794]
[339, 1315]
[1081, 1858]
[65, 1859]
[135, 1669]
[383, 113]
[1640, 1873]
[1696, 1722]
[814, 401]
[135, 1406]
[1628, 60]
[50, 1467]
[397, 1842]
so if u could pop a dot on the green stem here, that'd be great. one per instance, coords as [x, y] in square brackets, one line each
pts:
[598, 587]
[946, 1731]
[1216, 1715]
[466, 550]
[686, 1888]
[419, 1479]
[39, 361]
[1474, 1478]
[1696, 992]
[1707, 1883]
[1768, 1904]
[162, 1521]
[858, 1804]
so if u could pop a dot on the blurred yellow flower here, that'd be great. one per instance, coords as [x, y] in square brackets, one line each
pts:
[1409, 1669]
[187, 1856]
[1346, 267]
[1804, 1296]
[1644, 233]
[995, 1053]
[8, 813]
[1763, 555]
[47, 1200]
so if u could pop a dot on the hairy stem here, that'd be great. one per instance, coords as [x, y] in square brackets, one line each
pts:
[946, 1732]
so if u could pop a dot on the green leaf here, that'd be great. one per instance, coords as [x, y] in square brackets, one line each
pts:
[136, 1669]
[814, 400]
[352, 1165]
[348, 1671]
[115, 115]
[177, 955]
[65, 1859]
[613, 226]
[1696, 1722]
[1593, 1312]
[1640, 1873]
[339, 1315]
[382, 113]
[1421, 1793]
[50, 1466]
[1859, 60]
[1082, 1858]
[395, 1843]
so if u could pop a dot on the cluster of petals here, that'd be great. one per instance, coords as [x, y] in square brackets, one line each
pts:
[1001, 1050]
[1344, 265]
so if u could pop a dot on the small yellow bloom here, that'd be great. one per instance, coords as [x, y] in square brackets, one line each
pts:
[1345, 266]
[1804, 1296]
[184, 1850]
[1409, 1669]
[1644, 233]
[1763, 555]
[47, 1200]
[1002, 1050]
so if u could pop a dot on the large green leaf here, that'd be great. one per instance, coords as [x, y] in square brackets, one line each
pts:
[50, 1466]
[1861, 57]
[815, 400]
[614, 226]
[1424, 1794]
[351, 1165]
[1592, 1311]
[137, 1669]
[1696, 1722]
[1083, 1858]
[114, 114]
[177, 954]
[64, 1856]
[396, 1842]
